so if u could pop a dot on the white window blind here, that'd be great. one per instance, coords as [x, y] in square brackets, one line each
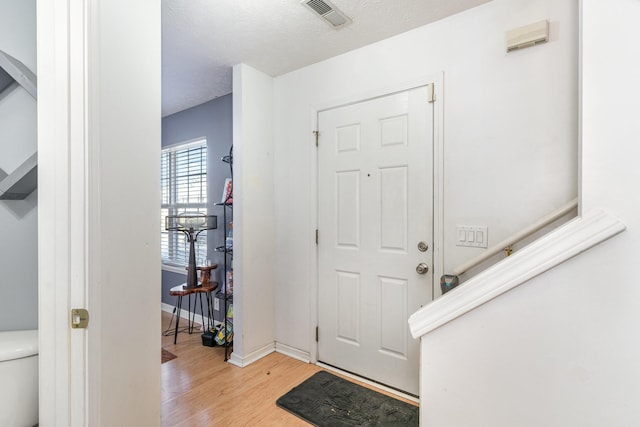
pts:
[184, 189]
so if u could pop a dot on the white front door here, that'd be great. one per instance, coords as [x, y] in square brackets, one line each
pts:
[375, 209]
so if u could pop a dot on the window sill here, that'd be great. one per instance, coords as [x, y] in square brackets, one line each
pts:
[180, 269]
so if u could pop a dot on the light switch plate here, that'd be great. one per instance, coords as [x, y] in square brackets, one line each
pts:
[472, 236]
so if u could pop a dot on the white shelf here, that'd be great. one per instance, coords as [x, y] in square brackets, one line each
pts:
[18, 184]
[21, 182]
[13, 70]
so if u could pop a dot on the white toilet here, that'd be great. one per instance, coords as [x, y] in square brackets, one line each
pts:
[19, 378]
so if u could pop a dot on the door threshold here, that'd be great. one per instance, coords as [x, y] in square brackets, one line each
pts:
[396, 392]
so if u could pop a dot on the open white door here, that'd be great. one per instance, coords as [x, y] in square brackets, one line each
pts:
[375, 167]
[98, 201]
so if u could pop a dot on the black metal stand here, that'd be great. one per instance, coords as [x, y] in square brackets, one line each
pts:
[191, 224]
[225, 293]
[192, 275]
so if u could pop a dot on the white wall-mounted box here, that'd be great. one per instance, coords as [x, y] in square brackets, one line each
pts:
[528, 35]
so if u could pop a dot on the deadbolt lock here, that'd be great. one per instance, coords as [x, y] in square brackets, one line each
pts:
[422, 247]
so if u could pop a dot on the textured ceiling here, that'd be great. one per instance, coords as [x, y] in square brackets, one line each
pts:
[203, 39]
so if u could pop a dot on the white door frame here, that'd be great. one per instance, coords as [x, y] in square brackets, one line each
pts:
[62, 213]
[88, 121]
[438, 186]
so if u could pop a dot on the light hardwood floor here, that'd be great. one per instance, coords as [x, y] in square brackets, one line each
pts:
[200, 389]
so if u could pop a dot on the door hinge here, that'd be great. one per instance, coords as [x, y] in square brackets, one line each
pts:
[431, 92]
[317, 134]
[79, 318]
[316, 236]
[317, 333]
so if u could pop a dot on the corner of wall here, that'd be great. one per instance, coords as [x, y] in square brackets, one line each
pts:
[254, 219]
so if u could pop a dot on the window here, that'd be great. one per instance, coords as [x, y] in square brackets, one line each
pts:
[184, 189]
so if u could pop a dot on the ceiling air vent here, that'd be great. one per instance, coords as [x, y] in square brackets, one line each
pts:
[328, 12]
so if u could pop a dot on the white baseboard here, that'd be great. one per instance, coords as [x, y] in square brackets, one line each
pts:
[251, 357]
[293, 352]
[236, 360]
[184, 314]
[167, 308]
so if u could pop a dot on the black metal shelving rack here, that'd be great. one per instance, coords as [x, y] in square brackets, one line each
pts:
[226, 293]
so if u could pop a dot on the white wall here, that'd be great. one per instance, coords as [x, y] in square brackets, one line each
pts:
[18, 219]
[510, 132]
[253, 218]
[563, 349]
[127, 123]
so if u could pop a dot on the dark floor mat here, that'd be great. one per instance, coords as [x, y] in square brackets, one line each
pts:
[327, 400]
